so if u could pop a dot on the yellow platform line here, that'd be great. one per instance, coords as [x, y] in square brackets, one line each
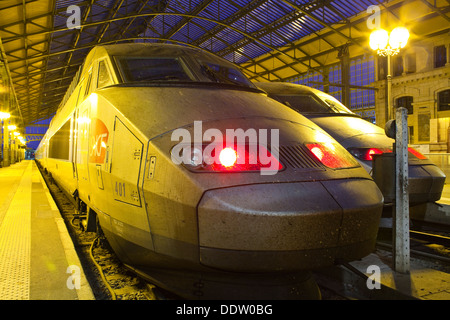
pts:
[15, 243]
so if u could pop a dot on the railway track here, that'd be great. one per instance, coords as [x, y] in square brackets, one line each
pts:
[109, 279]
[427, 240]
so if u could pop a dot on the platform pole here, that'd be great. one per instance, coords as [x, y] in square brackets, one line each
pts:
[401, 234]
[6, 155]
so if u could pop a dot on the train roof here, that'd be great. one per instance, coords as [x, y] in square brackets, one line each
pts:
[285, 88]
[137, 49]
[147, 49]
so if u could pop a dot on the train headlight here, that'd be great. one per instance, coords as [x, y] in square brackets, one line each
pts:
[228, 157]
[196, 157]
[223, 158]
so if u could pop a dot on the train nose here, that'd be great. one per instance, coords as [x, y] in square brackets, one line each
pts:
[288, 226]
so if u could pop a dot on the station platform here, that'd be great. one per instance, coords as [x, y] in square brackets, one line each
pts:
[373, 278]
[424, 281]
[37, 258]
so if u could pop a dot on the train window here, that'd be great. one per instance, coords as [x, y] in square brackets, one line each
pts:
[59, 143]
[103, 78]
[333, 103]
[81, 92]
[88, 85]
[303, 103]
[153, 69]
[224, 74]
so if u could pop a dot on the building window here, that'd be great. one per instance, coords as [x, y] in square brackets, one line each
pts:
[440, 56]
[405, 102]
[398, 65]
[444, 100]
[382, 68]
[411, 135]
[362, 73]
[423, 125]
[410, 63]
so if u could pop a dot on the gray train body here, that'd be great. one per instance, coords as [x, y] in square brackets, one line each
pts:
[197, 232]
[426, 180]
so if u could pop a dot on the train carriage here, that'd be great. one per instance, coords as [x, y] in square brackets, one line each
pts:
[142, 141]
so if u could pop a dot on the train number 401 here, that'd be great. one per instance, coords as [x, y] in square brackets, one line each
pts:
[120, 189]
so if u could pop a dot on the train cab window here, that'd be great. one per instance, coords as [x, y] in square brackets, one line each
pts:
[81, 91]
[88, 85]
[307, 103]
[142, 69]
[103, 77]
[302, 103]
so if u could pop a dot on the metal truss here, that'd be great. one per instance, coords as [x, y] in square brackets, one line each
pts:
[269, 39]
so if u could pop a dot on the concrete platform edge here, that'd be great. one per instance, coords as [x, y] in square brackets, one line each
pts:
[84, 292]
[359, 280]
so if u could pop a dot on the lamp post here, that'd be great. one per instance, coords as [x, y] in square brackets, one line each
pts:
[387, 45]
[5, 138]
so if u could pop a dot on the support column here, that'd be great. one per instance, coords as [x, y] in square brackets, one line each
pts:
[13, 148]
[390, 113]
[326, 79]
[6, 154]
[343, 55]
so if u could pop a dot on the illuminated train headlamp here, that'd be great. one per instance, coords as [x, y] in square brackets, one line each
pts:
[196, 157]
[222, 158]
[228, 157]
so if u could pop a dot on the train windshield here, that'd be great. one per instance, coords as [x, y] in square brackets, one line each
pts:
[174, 69]
[307, 103]
[141, 69]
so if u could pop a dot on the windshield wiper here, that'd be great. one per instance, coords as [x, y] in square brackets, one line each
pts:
[218, 77]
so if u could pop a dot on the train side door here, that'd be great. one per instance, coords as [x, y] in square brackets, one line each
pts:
[126, 164]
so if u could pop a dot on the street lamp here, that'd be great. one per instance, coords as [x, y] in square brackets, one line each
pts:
[387, 45]
[4, 115]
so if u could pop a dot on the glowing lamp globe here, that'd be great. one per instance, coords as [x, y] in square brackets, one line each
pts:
[379, 39]
[398, 37]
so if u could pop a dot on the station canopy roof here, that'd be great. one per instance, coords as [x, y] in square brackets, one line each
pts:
[269, 39]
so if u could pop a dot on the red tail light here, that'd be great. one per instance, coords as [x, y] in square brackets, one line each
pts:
[215, 158]
[416, 153]
[367, 153]
[332, 155]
